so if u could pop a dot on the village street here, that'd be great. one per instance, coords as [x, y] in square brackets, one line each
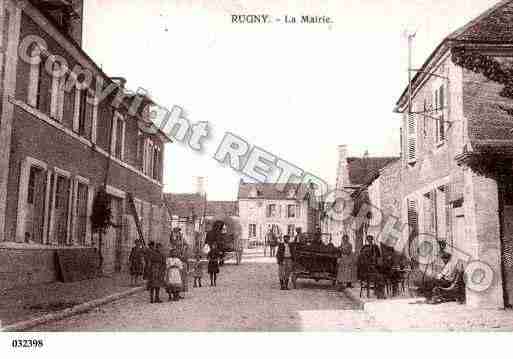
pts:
[247, 297]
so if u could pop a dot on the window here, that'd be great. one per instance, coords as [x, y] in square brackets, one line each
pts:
[81, 213]
[413, 218]
[5, 36]
[291, 211]
[156, 163]
[252, 230]
[68, 101]
[118, 136]
[57, 96]
[62, 193]
[82, 107]
[34, 173]
[439, 114]
[271, 210]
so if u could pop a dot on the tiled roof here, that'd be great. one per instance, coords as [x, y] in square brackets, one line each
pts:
[222, 208]
[189, 204]
[274, 191]
[363, 169]
[184, 204]
[494, 26]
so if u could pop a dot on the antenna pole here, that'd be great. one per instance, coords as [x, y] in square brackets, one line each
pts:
[410, 88]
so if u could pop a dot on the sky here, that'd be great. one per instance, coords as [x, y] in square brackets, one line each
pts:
[296, 90]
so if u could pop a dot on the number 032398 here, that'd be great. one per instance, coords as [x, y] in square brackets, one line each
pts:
[27, 343]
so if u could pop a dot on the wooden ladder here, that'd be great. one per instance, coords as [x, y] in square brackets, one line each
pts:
[131, 204]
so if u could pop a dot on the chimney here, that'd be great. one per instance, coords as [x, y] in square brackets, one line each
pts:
[200, 185]
[342, 171]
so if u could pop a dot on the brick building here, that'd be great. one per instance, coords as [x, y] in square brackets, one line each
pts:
[59, 144]
[284, 208]
[457, 146]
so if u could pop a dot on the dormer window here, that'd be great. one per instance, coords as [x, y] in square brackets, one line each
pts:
[292, 193]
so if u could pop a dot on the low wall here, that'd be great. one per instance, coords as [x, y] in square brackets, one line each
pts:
[22, 267]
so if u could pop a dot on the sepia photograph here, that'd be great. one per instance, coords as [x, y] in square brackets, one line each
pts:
[225, 166]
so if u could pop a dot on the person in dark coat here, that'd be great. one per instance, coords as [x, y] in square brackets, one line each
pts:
[136, 263]
[213, 264]
[284, 257]
[215, 234]
[157, 273]
[147, 255]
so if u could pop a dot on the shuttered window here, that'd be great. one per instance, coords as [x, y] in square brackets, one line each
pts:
[412, 138]
[439, 114]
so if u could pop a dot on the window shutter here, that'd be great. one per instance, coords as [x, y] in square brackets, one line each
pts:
[412, 138]
[413, 217]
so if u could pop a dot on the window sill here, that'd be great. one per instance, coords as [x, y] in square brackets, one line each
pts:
[37, 246]
[55, 123]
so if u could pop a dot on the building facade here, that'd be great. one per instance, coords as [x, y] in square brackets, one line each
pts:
[278, 207]
[353, 175]
[61, 142]
[457, 149]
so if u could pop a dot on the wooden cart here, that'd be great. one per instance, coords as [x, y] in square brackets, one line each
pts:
[317, 264]
[231, 248]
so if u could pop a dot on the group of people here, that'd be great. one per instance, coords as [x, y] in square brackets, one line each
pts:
[350, 267]
[159, 270]
[171, 271]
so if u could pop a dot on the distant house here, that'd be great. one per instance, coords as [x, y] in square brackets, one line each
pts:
[193, 212]
[281, 207]
[353, 174]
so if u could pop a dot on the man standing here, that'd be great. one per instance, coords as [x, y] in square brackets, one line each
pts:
[284, 257]
[299, 236]
[267, 239]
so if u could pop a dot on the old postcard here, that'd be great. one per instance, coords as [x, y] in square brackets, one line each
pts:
[255, 166]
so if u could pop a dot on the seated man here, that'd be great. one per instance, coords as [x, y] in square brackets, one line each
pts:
[447, 275]
[444, 279]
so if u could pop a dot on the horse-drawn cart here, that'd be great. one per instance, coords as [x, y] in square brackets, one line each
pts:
[230, 247]
[317, 263]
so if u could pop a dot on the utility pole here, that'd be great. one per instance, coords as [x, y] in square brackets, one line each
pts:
[410, 70]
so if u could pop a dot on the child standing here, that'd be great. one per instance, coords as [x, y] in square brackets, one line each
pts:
[197, 272]
[174, 284]
[213, 265]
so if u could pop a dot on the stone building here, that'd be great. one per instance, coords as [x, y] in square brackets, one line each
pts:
[457, 145]
[281, 207]
[60, 142]
[353, 175]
